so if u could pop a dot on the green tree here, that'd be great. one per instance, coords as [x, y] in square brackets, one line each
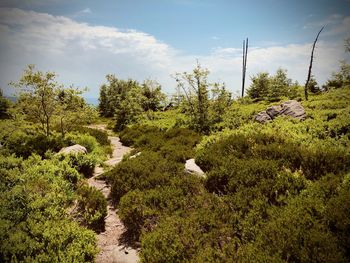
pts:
[341, 78]
[221, 99]
[72, 110]
[38, 96]
[129, 107]
[153, 97]
[259, 89]
[4, 106]
[43, 100]
[279, 85]
[313, 86]
[123, 99]
[195, 86]
[103, 101]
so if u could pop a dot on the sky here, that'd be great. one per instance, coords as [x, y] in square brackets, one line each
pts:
[83, 40]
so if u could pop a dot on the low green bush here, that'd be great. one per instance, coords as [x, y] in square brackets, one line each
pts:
[313, 160]
[149, 170]
[100, 136]
[86, 140]
[140, 211]
[130, 135]
[34, 223]
[92, 206]
[196, 236]
[301, 231]
[83, 163]
[25, 143]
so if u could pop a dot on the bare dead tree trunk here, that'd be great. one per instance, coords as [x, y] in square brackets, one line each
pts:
[244, 67]
[310, 66]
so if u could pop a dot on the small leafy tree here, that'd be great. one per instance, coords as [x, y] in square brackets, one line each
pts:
[341, 78]
[125, 99]
[103, 102]
[195, 86]
[43, 100]
[129, 107]
[272, 88]
[38, 97]
[72, 110]
[152, 95]
[221, 99]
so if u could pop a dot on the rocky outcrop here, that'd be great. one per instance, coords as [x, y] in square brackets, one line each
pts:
[290, 108]
[74, 149]
[262, 117]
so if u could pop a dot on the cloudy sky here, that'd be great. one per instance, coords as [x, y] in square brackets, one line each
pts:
[84, 40]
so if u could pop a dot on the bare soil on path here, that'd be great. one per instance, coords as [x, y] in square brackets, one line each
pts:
[111, 243]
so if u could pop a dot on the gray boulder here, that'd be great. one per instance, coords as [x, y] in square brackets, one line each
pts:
[193, 168]
[274, 111]
[293, 109]
[262, 117]
[290, 108]
[74, 149]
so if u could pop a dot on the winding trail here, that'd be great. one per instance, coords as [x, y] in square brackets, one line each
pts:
[110, 242]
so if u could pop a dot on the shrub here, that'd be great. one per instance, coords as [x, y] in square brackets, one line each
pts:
[149, 170]
[296, 232]
[92, 208]
[34, 223]
[85, 140]
[24, 144]
[129, 136]
[83, 163]
[100, 136]
[140, 211]
[198, 236]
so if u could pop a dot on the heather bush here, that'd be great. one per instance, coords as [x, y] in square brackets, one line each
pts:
[147, 171]
[92, 208]
[34, 223]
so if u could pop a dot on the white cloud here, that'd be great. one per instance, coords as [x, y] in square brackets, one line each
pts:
[83, 54]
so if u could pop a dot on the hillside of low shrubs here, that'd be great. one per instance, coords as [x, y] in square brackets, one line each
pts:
[47, 212]
[274, 192]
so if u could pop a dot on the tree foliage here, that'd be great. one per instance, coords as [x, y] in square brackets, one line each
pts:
[4, 106]
[126, 100]
[202, 110]
[43, 100]
[272, 88]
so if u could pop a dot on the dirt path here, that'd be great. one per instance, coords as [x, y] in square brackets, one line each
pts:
[112, 248]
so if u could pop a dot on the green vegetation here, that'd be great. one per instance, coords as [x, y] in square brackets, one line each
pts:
[42, 100]
[273, 192]
[273, 88]
[126, 100]
[35, 225]
[202, 110]
[46, 210]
